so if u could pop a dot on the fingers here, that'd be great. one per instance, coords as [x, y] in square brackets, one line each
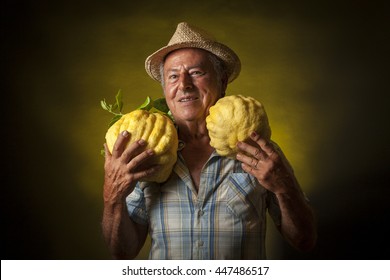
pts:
[248, 160]
[257, 149]
[120, 144]
[142, 164]
[252, 150]
[261, 148]
[133, 150]
[107, 155]
[263, 160]
[264, 145]
[135, 157]
[146, 172]
[126, 153]
[106, 151]
[249, 169]
[139, 159]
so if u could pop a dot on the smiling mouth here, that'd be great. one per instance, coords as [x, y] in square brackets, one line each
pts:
[187, 99]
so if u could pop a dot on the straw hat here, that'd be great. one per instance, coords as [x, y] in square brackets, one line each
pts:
[187, 36]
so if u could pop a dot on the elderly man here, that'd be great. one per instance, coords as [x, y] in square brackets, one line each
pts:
[211, 207]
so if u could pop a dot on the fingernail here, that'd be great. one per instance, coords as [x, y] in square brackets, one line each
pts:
[125, 133]
[141, 142]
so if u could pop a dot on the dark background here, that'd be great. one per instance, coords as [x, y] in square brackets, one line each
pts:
[319, 67]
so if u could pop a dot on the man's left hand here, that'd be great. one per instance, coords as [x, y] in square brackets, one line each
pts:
[262, 160]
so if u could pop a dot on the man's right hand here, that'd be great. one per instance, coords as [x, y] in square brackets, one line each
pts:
[124, 167]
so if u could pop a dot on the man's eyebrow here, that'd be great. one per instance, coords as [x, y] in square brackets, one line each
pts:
[175, 69]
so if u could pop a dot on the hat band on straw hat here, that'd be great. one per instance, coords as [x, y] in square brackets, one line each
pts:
[187, 36]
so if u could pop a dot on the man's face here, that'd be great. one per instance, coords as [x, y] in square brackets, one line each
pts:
[191, 85]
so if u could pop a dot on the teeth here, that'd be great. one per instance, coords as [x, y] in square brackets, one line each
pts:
[187, 99]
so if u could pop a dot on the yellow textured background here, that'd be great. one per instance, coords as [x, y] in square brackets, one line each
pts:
[319, 68]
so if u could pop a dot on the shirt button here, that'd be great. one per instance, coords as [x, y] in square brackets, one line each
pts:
[200, 243]
[200, 213]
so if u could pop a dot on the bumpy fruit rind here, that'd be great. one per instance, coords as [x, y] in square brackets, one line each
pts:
[159, 133]
[232, 119]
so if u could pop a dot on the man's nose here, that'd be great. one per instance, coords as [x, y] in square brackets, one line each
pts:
[186, 82]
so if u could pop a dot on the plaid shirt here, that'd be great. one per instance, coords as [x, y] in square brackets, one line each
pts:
[226, 219]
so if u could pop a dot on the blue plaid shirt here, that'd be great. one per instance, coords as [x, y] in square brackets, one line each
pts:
[226, 219]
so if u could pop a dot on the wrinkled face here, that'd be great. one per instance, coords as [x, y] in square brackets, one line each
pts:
[191, 84]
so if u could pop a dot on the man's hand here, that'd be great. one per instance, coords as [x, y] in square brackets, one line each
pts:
[124, 167]
[260, 159]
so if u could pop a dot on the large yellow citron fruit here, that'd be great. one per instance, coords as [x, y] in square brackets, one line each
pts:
[232, 119]
[159, 133]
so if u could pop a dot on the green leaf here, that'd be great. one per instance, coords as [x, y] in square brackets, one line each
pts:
[155, 110]
[104, 104]
[170, 116]
[119, 101]
[114, 107]
[161, 104]
[147, 105]
[114, 120]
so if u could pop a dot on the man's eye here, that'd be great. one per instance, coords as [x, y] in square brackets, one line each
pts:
[197, 73]
[172, 77]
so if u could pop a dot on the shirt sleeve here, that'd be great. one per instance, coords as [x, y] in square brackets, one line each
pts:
[136, 206]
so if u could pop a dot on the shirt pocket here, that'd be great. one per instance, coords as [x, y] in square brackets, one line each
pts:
[244, 199]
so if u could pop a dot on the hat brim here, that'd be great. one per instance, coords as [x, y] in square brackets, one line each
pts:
[228, 56]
